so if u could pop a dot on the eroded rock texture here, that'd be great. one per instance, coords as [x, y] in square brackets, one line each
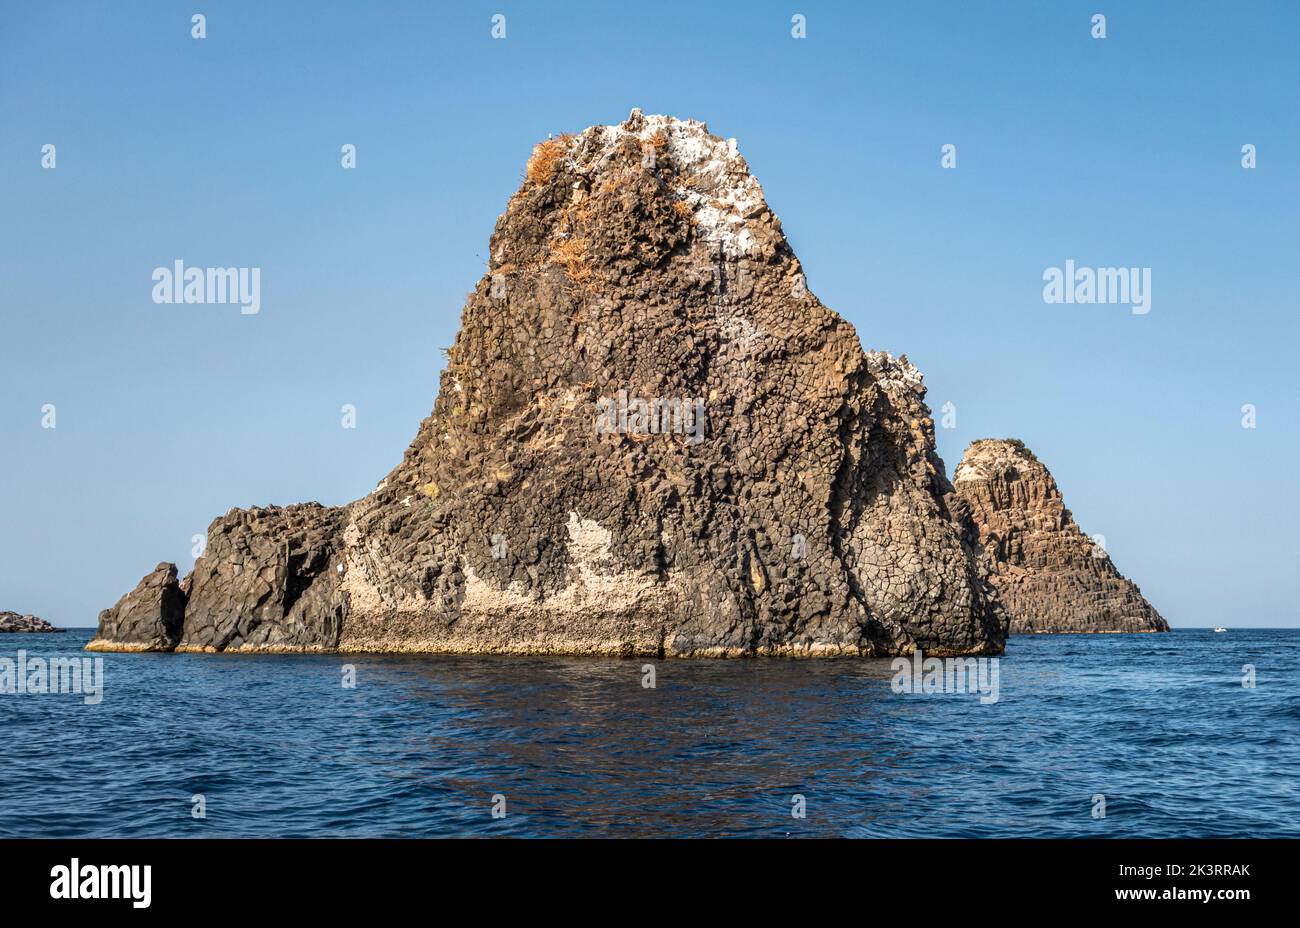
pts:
[650, 438]
[268, 581]
[148, 618]
[17, 622]
[1051, 577]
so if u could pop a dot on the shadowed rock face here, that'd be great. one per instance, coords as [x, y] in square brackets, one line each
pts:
[777, 493]
[16, 622]
[149, 617]
[1050, 576]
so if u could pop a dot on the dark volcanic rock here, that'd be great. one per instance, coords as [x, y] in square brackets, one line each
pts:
[15, 622]
[791, 503]
[146, 619]
[1051, 576]
[267, 581]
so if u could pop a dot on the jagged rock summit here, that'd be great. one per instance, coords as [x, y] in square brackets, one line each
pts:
[16, 622]
[1050, 576]
[650, 439]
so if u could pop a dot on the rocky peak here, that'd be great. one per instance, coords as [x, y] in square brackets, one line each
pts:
[705, 173]
[1051, 577]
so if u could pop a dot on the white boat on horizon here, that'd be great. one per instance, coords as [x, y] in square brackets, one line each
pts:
[1219, 628]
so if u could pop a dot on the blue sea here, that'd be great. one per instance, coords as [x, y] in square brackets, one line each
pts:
[1159, 726]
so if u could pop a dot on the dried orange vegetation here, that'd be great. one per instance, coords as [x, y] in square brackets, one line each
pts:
[659, 142]
[571, 254]
[580, 211]
[682, 208]
[545, 160]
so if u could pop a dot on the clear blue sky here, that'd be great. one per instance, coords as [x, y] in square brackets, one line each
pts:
[225, 151]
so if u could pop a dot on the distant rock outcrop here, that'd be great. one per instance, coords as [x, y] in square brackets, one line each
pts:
[15, 622]
[650, 439]
[1050, 576]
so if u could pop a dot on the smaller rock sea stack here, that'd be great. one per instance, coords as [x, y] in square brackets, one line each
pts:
[1050, 576]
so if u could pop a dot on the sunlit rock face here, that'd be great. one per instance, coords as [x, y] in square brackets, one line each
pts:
[1050, 576]
[650, 439]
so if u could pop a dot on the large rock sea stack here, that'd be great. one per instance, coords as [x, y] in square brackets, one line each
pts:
[1051, 577]
[650, 439]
